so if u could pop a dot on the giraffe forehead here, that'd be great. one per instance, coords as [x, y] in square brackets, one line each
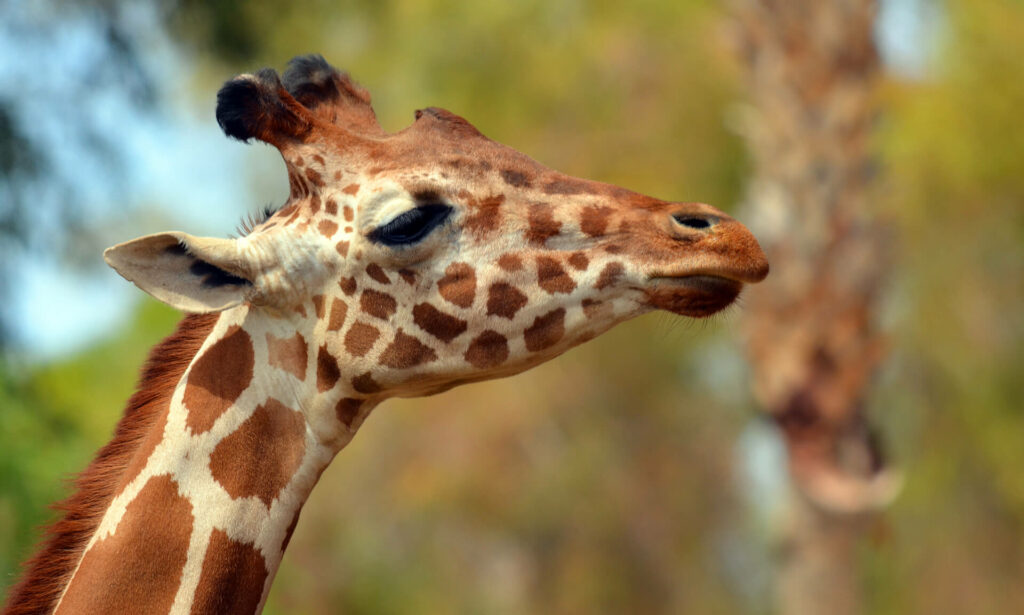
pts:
[484, 179]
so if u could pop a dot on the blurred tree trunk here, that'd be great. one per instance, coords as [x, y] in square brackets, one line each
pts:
[810, 329]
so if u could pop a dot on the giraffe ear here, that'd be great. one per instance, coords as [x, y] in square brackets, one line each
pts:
[193, 274]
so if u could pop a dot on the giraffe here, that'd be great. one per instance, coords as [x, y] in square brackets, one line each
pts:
[402, 264]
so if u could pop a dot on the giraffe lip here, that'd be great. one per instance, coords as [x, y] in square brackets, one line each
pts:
[693, 295]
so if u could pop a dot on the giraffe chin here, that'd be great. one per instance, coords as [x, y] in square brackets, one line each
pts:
[695, 296]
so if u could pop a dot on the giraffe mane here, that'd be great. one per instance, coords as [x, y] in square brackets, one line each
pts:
[46, 575]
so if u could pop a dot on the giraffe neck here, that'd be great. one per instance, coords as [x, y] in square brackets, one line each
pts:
[199, 512]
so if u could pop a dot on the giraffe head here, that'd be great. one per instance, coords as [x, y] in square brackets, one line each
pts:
[434, 256]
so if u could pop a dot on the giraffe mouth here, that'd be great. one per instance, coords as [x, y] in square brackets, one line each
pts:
[696, 296]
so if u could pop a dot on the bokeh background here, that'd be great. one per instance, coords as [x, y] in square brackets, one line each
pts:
[632, 475]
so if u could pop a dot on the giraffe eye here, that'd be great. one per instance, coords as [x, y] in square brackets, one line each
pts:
[412, 225]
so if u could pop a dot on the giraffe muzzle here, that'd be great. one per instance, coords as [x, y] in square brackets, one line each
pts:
[717, 255]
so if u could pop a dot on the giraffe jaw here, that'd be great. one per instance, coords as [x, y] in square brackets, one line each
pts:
[696, 296]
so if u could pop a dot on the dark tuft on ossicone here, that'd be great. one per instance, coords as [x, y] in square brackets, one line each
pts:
[311, 80]
[242, 102]
[251, 106]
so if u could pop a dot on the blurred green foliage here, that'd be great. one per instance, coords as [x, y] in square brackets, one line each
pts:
[606, 481]
[952, 396]
[55, 417]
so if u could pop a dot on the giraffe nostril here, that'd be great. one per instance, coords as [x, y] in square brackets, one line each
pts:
[692, 221]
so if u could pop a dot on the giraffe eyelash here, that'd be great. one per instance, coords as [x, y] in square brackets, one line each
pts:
[411, 226]
[251, 221]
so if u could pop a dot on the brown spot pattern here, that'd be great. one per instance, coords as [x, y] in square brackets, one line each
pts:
[347, 213]
[331, 207]
[327, 372]
[339, 309]
[504, 300]
[458, 286]
[350, 189]
[489, 349]
[408, 275]
[406, 351]
[295, 185]
[360, 338]
[348, 285]
[552, 277]
[374, 303]
[595, 309]
[217, 378]
[347, 410]
[314, 178]
[510, 262]
[514, 178]
[594, 220]
[568, 185]
[579, 261]
[146, 447]
[288, 354]
[444, 327]
[486, 216]
[232, 579]
[377, 273]
[140, 565]
[327, 228]
[342, 249]
[260, 458]
[364, 383]
[314, 204]
[546, 330]
[542, 225]
[609, 275]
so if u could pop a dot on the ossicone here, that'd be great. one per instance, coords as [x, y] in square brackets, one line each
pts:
[331, 94]
[258, 106]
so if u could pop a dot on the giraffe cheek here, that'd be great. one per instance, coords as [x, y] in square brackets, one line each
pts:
[405, 352]
[458, 286]
[611, 274]
[504, 300]
[488, 350]
[552, 277]
[546, 331]
[441, 325]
